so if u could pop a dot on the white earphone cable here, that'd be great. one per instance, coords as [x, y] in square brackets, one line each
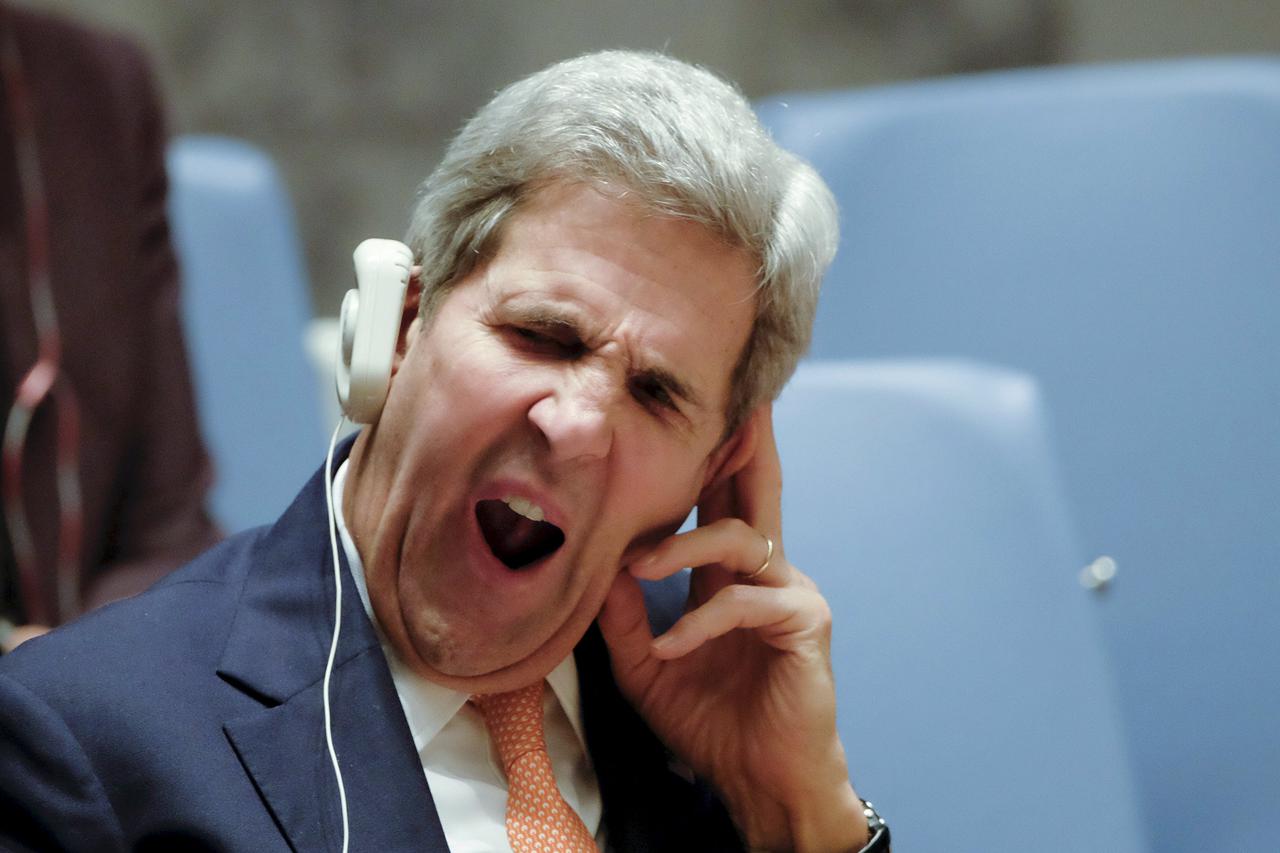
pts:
[337, 628]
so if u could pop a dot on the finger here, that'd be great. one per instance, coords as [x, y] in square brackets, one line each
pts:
[729, 543]
[760, 480]
[624, 623]
[783, 618]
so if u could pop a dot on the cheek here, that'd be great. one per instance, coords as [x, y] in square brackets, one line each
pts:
[470, 374]
[658, 485]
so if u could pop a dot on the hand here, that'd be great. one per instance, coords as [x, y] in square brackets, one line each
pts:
[741, 687]
[19, 634]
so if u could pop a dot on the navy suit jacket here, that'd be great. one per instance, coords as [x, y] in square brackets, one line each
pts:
[190, 717]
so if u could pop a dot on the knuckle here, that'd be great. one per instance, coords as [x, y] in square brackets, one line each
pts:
[823, 613]
[737, 595]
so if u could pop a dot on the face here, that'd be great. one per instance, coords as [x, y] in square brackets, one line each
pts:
[562, 409]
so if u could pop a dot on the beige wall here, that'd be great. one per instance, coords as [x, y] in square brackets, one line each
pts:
[355, 98]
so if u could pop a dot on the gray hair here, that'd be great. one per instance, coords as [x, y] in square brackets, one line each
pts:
[669, 136]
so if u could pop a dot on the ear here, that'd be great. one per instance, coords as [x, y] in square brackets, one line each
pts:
[410, 322]
[733, 453]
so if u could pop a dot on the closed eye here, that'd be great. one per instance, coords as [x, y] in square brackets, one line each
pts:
[560, 341]
[652, 393]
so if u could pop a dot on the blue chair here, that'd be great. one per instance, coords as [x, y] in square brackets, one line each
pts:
[245, 308]
[1114, 231]
[973, 697]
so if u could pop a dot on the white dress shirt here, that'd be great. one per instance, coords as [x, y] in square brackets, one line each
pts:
[461, 766]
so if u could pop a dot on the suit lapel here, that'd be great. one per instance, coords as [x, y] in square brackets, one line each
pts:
[276, 652]
[283, 749]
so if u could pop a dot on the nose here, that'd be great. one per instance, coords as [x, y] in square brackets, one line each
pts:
[575, 419]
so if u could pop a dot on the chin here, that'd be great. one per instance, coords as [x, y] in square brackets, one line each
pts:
[483, 653]
[434, 646]
[464, 653]
[488, 675]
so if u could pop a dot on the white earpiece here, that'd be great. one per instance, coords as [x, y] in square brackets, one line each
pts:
[369, 327]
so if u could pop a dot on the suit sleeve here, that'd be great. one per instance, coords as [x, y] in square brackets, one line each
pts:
[49, 793]
[161, 520]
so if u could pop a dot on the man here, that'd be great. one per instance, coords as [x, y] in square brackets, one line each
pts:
[83, 222]
[618, 272]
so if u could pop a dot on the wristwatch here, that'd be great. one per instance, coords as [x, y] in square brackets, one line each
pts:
[879, 830]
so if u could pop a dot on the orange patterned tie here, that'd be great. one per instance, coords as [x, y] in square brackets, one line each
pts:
[538, 818]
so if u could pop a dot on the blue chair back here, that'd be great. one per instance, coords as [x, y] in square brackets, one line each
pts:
[245, 307]
[1115, 231]
[973, 698]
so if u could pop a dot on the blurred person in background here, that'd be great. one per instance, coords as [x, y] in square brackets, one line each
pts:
[104, 474]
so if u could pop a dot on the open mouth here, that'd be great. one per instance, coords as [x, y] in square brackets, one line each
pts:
[515, 532]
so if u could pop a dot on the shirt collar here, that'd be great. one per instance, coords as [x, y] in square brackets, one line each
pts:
[428, 706]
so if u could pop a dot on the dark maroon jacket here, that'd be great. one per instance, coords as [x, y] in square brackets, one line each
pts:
[144, 470]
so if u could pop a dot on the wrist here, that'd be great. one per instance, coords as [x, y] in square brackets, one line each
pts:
[836, 824]
[832, 821]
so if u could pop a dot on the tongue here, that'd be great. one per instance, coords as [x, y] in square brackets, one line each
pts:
[515, 540]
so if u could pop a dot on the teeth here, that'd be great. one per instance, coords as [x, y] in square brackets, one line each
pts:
[525, 507]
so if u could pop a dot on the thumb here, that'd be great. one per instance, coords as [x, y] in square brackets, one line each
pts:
[624, 623]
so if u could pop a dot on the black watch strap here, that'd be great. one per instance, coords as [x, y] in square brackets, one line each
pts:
[879, 842]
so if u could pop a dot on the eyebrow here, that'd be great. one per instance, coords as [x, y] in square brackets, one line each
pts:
[545, 317]
[550, 317]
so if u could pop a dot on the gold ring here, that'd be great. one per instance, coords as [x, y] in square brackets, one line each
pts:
[768, 557]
